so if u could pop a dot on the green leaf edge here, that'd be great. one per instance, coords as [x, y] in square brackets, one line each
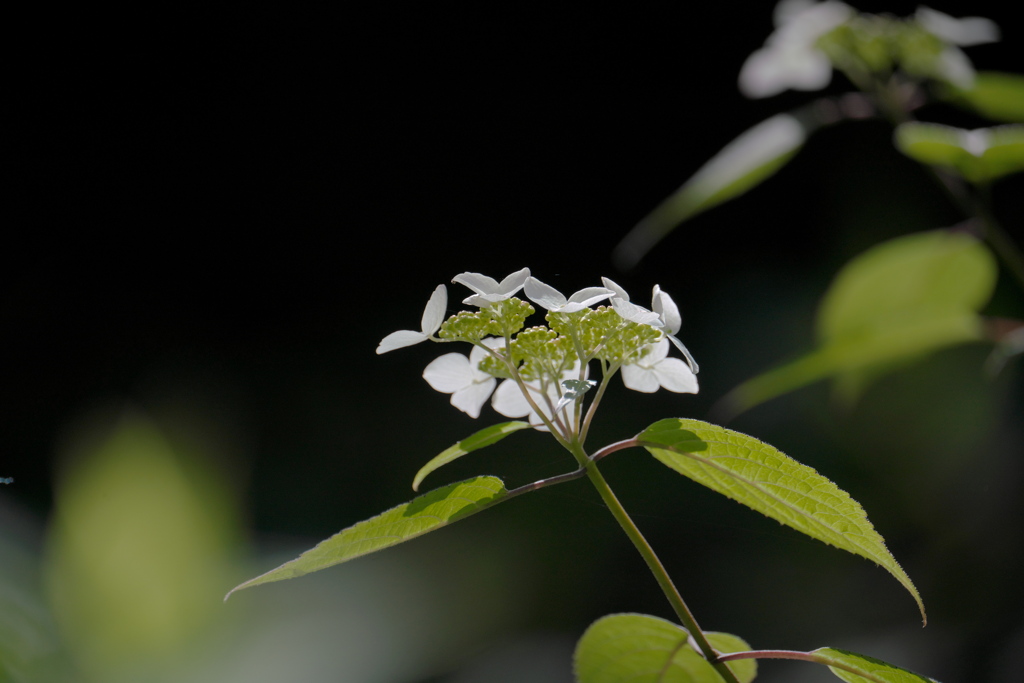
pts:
[937, 144]
[744, 669]
[474, 442]
[850, 662]
[331, 551]
[880, 555]
[874, 347]
[716, 181]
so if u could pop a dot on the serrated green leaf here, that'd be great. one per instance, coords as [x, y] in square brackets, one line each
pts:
[997, 95]
[980, 155]
[894, 303]
[855, 668]
[485, 437]
[643, 649]
[765, 479]
[741, 165]
[421, 515]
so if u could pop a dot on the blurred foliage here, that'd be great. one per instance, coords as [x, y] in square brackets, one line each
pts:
[140, 544]
[896, 302]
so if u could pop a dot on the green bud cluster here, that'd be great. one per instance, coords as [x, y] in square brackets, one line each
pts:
[501, 319]
[542, 352]
[605, 335]
[466, 326]
[508, 316]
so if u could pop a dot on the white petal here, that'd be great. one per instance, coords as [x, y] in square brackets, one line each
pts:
[967, 31]
[400, 339]
[776, 68]
[639, 379]
[449, 373]
[433, 314]
[682, 349]
[590, 295]
[806, 26]
[674, 375]
[509, 401]
[636, 314]
[478, 354]
[786, 10]
[667, 310]
[514, 282]
[658, 351]
[619, 291]
[953, 65]
[763, 74]
[808, 70]
[543, 295]
[481, 284]
[471, 398]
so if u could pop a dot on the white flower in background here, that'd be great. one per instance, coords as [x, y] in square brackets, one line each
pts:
[550, 298]
[488, 290]
[455, 374]
[630, 311]
[952, 64]
[509, 400]
[672, 322]
[655, 370]
[790, 58]
[964, 32]
[433, 316]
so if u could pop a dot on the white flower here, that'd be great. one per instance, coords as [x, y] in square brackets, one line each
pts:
[952, 64]
[671, 321]
[489, 291]
[630, 311]
[790, 58]
[966, 32]
[462, 377]
[433, 316]
[550, 298]
[509, 400]
[656, 370]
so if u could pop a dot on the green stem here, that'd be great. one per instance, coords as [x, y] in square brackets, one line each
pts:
[653, 563]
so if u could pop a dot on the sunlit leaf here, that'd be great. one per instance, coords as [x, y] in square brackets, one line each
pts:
[980, 155]
[855, 668]
[894, 303]
[741, 165]
[765, 479]
[482, 439]
[421, 515]
[644, 649]
[997, 95]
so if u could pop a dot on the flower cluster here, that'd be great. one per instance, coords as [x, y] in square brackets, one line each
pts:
[811, 38]
[542, 372]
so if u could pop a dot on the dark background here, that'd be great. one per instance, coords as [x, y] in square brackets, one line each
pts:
[222, 214]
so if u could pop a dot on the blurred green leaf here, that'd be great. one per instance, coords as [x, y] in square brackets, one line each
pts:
[855, 668]
[765, 479]
[485, 437]
[741, 165]
[140, 545]
[981, 155]
[997, 95]
[892, 304]
[640, 648]
[421, 515]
